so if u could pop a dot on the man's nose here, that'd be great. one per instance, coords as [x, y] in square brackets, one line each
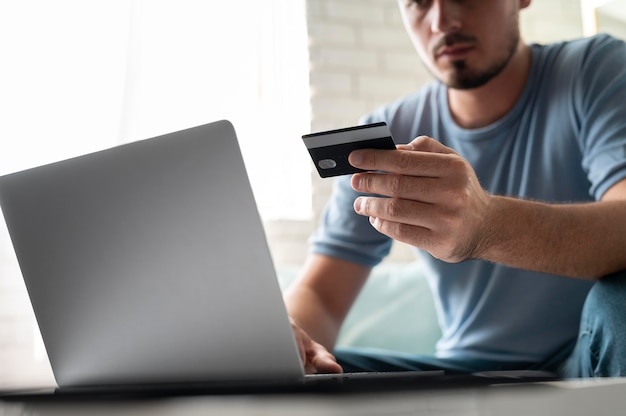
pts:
[445, 16]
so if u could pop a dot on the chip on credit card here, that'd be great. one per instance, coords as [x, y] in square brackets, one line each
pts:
[330, 149]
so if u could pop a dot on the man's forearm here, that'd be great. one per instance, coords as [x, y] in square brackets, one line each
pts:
[578, 240]
[321, 298]
[305, 308]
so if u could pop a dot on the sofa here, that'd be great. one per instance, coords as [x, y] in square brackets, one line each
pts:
[395, 310]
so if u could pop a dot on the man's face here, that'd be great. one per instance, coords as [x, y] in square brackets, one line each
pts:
[464, 43]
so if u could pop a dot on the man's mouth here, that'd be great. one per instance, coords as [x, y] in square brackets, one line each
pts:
[454, 52]
[454, 46]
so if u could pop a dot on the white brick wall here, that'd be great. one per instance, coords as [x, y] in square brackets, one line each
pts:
[551, 20]
[372, 57]
[360, 58]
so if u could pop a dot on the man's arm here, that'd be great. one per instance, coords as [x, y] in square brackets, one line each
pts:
[318, 303]
[584, 240]
[436, 203]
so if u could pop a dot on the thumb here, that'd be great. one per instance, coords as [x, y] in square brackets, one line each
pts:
[319, 360]
[425, 144]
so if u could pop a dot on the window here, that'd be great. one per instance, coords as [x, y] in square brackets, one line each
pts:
[604, 16]
[80, 76]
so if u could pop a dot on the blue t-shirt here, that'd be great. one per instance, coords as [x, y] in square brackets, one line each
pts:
[564, 141]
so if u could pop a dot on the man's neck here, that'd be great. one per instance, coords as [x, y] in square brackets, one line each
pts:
[482, 106]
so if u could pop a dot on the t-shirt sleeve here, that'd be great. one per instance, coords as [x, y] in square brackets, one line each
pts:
[601, 100]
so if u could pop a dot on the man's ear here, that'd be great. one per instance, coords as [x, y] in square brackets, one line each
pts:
[524, 4]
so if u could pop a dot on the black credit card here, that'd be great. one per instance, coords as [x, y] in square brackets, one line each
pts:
[330, 149]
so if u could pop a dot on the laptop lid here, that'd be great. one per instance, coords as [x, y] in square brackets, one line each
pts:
[147, 263]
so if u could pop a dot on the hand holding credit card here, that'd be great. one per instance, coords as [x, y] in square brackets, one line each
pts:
[330, 149]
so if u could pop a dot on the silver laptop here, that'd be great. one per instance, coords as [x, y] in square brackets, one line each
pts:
[147, 263]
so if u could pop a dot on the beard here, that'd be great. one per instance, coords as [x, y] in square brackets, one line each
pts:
[463, 76]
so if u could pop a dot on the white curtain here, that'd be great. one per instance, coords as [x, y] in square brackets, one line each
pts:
[78, 76]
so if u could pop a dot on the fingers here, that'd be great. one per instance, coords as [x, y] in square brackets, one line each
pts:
[426, 189]
[396, 209]
[450, 187]
[425, 144]
[415, 223]
[319, 360]
[411, 234]
[434, 199]
[441, 231]
[423, 156]
[315, 358]
[423, 170]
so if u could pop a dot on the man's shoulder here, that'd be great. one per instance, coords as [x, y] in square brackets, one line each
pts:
[595, 41]
[600, 49]
[581, 50]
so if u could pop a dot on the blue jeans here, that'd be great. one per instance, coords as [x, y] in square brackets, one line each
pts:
[599, 351]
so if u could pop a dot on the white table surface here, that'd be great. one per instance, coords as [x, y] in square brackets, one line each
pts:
[592, 397]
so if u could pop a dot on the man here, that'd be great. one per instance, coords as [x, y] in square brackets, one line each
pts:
[516, 202]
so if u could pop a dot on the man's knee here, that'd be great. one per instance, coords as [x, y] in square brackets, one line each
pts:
[605, 311]
[608, 296]
[602, 338]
